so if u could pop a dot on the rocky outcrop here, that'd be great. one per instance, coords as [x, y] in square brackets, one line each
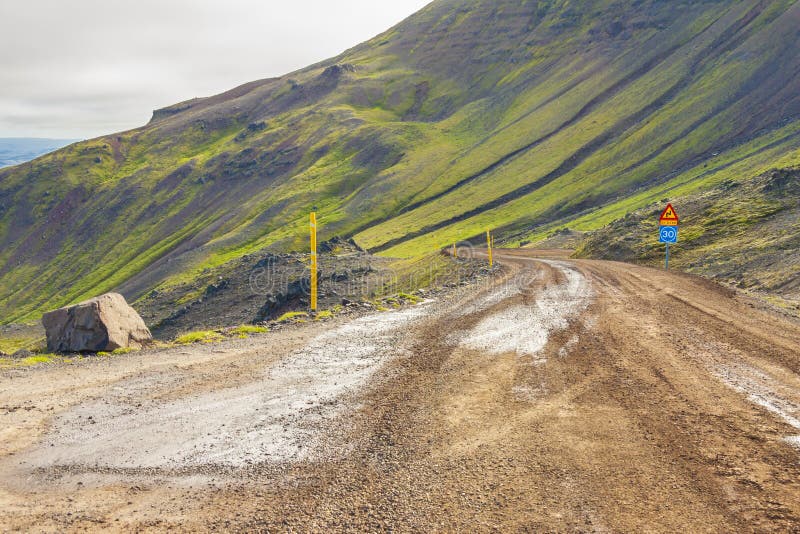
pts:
[339, 244]
[337, 71]
[296, 295]
[104, 323]
[175, 109]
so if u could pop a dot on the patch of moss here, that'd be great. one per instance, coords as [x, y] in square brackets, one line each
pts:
[39, 358]
[11, 345]
[246, 329]
[295, 315]
[203, 336]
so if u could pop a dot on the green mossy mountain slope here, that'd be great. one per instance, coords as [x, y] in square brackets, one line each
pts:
[522, 116]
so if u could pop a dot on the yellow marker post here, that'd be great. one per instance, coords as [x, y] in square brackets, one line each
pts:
[489, 246]
[455, 251]
[313, 228]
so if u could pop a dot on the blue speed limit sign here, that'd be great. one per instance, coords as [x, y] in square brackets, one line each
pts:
[669, 234]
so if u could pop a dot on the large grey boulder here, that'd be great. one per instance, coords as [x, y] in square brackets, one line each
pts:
[104, 323]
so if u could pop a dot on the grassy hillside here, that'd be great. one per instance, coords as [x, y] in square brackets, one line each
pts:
[518, 115]
[743, 233]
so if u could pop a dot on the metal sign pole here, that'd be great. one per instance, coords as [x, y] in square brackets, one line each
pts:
[489, 246]
[667, 263]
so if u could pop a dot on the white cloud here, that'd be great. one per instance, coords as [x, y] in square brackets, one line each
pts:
[88, 67]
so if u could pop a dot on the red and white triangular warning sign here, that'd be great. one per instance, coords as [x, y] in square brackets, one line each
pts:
[669, 217]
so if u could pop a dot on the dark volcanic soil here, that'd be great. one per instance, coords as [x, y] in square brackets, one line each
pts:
[259, 288]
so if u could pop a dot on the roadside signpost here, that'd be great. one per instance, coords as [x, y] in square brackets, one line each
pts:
[668, 229]
[489, 246]
[313, 229]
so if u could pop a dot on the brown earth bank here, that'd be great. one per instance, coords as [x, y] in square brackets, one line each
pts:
[563, 395]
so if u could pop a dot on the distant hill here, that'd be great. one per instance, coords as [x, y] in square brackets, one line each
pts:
[522, 116]
[16, 150]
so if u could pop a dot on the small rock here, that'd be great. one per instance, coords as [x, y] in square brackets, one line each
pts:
[341, 276]
[213, 289]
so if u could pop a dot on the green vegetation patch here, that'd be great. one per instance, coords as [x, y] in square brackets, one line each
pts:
[248, 329]
[203, 336]
[290, 316]
[30, 361]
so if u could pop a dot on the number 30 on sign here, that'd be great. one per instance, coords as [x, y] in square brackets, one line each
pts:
[669, 234]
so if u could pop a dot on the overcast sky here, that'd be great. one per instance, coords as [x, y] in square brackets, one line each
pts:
[83, 68]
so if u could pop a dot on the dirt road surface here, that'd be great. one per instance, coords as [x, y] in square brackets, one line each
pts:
[563, 396]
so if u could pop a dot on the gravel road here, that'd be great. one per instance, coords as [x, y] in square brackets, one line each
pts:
[561, 396]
